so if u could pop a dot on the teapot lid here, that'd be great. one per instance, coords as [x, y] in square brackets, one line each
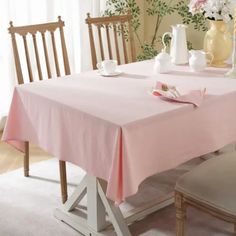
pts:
[163, 56]
[197, 52]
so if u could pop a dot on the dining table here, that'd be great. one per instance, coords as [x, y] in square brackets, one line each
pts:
[116, 130]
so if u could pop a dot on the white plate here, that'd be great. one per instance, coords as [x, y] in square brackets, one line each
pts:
[102, 73]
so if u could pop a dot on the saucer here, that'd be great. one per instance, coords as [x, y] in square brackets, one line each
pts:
[102, 73]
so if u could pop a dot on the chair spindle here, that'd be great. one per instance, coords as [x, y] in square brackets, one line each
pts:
[64, 49]
[116, 43]
[27, 57]
[109, 42]
[55, 54]
[100, 42]
[46, 55]
[37, 56]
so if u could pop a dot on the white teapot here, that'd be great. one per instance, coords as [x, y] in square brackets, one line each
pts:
[163, 63]
[198, 60]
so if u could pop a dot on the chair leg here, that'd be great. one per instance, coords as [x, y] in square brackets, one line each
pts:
[62, 166]
[26, 160]
[180, 214]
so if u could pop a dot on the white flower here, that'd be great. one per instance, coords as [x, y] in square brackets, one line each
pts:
[214, 9]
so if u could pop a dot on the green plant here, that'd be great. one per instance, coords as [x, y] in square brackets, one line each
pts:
[159, 9]
[148, 52]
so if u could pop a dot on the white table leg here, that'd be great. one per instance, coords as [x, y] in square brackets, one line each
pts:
[94, 222]
[96, 210]
[77, 196]
[114, 214]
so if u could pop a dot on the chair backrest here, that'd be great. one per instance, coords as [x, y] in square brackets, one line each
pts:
[34, 31]
[122, 33]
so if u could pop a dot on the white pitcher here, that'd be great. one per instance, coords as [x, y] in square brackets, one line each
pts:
[178, 46]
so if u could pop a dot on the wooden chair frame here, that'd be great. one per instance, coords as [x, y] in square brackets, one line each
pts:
[33, 30]
[111, 22]
[181, 203]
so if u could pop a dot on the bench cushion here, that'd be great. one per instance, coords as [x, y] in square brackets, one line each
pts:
[212, 182]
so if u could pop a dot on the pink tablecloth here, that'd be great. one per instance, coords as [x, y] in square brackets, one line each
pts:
[116, 130]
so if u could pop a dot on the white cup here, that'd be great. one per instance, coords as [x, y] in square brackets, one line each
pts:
[107, 66]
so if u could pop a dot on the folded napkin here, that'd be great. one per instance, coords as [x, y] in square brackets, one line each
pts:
[170, 92]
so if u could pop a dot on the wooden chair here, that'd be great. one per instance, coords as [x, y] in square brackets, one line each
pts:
[40, 31]
[210, 187]
[121, 27]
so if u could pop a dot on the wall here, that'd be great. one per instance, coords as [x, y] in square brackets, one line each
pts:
[195, 37]
[192, 35]
[141, 32]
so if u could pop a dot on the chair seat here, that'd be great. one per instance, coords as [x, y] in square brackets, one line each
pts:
[212, 183]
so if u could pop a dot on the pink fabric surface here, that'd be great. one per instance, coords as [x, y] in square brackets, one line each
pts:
[115, 129]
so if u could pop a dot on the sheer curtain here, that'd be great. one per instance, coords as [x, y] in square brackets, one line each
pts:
[23, 12]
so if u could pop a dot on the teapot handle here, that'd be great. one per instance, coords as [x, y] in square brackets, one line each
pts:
[163, 38]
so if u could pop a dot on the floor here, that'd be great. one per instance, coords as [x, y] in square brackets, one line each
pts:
[11, 159]
[27, 204]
